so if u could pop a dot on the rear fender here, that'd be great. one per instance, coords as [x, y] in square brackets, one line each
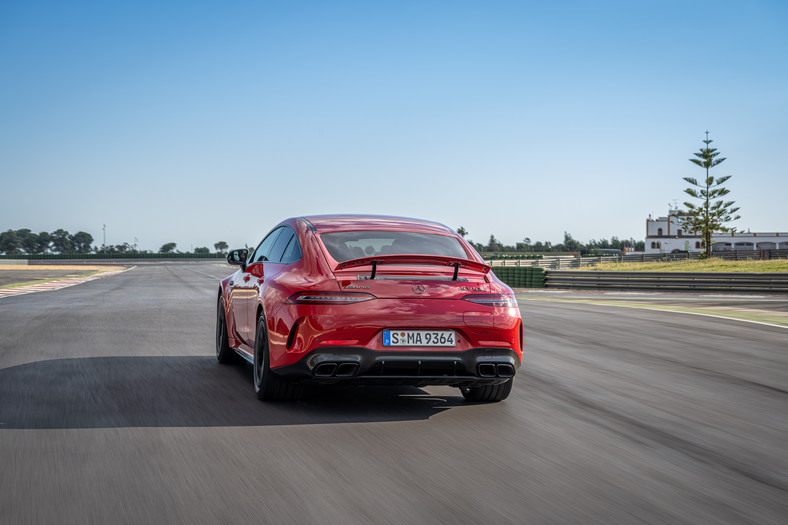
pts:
[224, 293]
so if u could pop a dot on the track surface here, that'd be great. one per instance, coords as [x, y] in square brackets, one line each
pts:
[113, 409]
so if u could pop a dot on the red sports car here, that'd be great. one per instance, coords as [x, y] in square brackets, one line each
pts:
[368, 300]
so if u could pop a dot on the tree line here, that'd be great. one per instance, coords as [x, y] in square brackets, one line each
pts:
[570, 245]
[27, 242]
[24, 241]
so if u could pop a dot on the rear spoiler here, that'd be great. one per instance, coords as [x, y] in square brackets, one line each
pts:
[414, 259]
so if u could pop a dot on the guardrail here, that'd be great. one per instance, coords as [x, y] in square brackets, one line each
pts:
[555, 262]
[669, 281]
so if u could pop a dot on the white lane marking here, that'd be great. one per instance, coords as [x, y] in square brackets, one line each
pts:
[734, 296]
[666, 310]
[631, 293]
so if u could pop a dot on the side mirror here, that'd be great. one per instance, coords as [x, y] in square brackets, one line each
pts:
[238, 257]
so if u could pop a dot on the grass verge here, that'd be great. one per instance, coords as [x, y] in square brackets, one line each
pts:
[43, 281]
[696, 265]
[81, 272]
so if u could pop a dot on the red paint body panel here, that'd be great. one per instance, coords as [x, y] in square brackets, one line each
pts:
[410, 294]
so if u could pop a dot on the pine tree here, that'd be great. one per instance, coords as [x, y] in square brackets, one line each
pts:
[713, 212]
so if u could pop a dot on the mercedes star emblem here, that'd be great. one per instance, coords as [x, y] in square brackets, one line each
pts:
[418, 289]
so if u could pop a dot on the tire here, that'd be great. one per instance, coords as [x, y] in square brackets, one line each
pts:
[487, 393]
[269, 386]
[224, 354]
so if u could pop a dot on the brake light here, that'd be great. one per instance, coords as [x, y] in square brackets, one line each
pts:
[329, 298]
[496, 300]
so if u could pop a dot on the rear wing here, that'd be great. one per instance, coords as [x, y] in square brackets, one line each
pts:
[415, 260]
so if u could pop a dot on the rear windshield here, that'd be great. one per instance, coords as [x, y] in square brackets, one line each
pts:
[344, 246]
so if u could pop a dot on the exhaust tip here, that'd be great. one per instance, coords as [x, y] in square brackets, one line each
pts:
[325, 370]
[346, 369]
[505, 371]
[487, 370]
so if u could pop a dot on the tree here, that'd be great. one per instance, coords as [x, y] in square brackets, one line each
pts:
[10, 243]
[202, 250]
[570, 244]
[462, 232]
[493, 245]
[43, 242]
[220, 247]
[61, 241]
[28, 239]
[168, 248]
[81, 242]
[713, 212]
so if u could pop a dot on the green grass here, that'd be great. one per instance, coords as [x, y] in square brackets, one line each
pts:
[696, 265]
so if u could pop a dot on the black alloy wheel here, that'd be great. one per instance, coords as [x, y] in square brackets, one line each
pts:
[268, 386]
[224, 354]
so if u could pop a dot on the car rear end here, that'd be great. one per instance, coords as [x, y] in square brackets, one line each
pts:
[406, 305]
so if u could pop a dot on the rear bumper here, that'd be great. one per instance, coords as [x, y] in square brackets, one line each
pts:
[476, 366]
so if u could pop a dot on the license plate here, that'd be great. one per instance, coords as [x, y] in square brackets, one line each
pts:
[418, 338]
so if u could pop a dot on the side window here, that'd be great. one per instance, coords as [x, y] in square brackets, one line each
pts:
[279, 246]
[292, 252]
[261, 253]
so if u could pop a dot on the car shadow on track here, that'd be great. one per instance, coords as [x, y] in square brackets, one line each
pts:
[189, 391]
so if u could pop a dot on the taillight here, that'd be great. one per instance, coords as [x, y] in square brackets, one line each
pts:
[497, 300]
[329, 298]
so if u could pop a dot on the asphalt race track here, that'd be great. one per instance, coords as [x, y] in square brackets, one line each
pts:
[113, 409]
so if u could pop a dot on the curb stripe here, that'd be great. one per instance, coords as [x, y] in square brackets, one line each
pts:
[56, 285]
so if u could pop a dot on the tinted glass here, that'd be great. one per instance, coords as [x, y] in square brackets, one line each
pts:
[344, 246]
[279, 246]
[261, 253]
[292, 252]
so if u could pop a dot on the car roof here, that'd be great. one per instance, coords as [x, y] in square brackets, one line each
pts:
[332, 223]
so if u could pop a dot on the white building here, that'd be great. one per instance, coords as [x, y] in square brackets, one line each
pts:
[670, 235]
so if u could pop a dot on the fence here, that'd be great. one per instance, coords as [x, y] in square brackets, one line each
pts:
[521, 276]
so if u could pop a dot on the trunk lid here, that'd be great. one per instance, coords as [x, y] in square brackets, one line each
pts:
[413, 276]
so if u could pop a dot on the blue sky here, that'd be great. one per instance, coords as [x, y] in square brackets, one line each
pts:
[195, 122]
